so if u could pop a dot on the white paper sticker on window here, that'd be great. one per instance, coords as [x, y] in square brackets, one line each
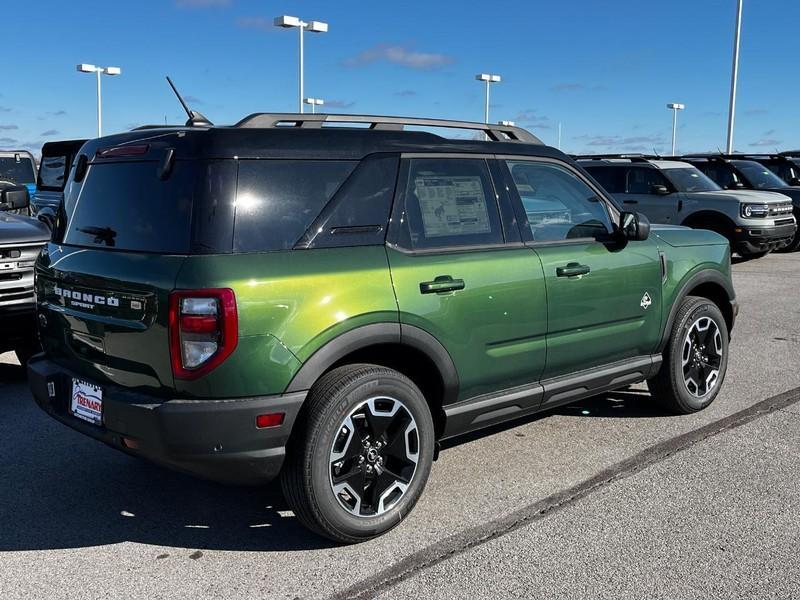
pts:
[452, 205]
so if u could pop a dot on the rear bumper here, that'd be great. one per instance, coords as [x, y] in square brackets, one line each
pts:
[213, 439]
[752, 240]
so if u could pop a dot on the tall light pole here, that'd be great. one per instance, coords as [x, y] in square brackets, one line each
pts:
[734, 76]
[674, 107]
[488, 78]
[314, 102]
[99, 71]
[313, 26]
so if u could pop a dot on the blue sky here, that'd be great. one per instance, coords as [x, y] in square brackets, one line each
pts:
[604, 69]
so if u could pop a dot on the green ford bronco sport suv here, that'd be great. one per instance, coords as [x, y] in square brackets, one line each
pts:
[298, 298]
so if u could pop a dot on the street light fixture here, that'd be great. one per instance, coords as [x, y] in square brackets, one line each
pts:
[734, 76]
[674, 107]
[288, 22]
[111, 71]
[314, 102]
[488, 78]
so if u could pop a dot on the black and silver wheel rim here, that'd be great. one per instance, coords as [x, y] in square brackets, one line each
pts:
[701, 357]
[374, 456]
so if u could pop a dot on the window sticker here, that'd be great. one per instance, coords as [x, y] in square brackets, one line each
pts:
[453, 205]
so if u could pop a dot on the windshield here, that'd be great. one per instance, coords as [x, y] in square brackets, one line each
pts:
[17, 171]
[759, 176]
[690, 179]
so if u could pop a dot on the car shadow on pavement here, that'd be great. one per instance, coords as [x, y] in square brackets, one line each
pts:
[59, 489]
[621, 404]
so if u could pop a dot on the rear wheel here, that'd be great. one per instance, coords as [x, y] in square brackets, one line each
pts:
[363, 456]
[695, 359]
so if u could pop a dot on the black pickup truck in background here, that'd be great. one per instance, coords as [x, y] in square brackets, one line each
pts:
[21, 239]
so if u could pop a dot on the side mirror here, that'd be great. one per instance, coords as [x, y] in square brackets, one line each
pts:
[635, 227]
[47, 216]
[735, 185]
[794, 181]
[660, 190]
[14, 197]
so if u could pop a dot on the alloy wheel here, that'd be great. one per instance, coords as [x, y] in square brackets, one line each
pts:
[701, 357]
[374, 456]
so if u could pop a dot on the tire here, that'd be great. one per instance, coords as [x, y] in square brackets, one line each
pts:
[686, 387]
[346, 406]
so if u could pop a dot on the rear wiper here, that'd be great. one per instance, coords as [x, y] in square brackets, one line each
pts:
[103, 235]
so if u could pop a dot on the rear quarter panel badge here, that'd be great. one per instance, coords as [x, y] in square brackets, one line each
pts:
[646, 301]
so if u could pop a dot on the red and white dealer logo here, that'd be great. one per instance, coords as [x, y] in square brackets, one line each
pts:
[87, 402]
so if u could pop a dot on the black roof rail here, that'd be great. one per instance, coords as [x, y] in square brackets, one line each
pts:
[790, 153]
[497, 133]
[163, 126]
[643, 158]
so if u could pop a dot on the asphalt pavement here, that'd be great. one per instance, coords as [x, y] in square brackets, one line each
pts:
[609, 497]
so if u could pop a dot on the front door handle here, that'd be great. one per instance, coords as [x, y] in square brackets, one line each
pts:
[440, 285]
[630, 202]
[572, 270]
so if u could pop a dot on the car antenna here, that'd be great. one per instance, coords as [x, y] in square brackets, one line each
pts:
[195, 119]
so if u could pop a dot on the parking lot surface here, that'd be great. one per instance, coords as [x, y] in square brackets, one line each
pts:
[609, 497]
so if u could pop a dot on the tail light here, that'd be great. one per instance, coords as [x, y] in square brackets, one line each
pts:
[203, 330]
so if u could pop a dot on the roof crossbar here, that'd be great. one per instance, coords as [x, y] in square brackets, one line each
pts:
[497, 133]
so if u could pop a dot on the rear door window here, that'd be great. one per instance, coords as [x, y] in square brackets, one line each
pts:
[277, 200]
[611, 179]
[448, 203]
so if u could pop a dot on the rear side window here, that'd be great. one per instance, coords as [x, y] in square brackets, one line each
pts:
[449, 203]
[359, 212]
[277, 200]
[611, 179]
[52, 172]
[125, 206]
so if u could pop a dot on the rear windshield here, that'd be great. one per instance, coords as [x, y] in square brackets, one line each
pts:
[17, 171]
[125, 206]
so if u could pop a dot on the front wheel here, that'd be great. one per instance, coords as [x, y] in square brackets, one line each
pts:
[695, 359]
[362, 458]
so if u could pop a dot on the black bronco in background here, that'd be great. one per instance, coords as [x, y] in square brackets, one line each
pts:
[56, 161]
[21, 239]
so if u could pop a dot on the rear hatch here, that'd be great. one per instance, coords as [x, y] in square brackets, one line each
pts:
[103, 285]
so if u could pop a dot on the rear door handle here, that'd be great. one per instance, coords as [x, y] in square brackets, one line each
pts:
[442, 284]
[572, 270]
[630, 202]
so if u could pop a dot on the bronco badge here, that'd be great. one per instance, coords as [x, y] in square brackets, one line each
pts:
[646, 301]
